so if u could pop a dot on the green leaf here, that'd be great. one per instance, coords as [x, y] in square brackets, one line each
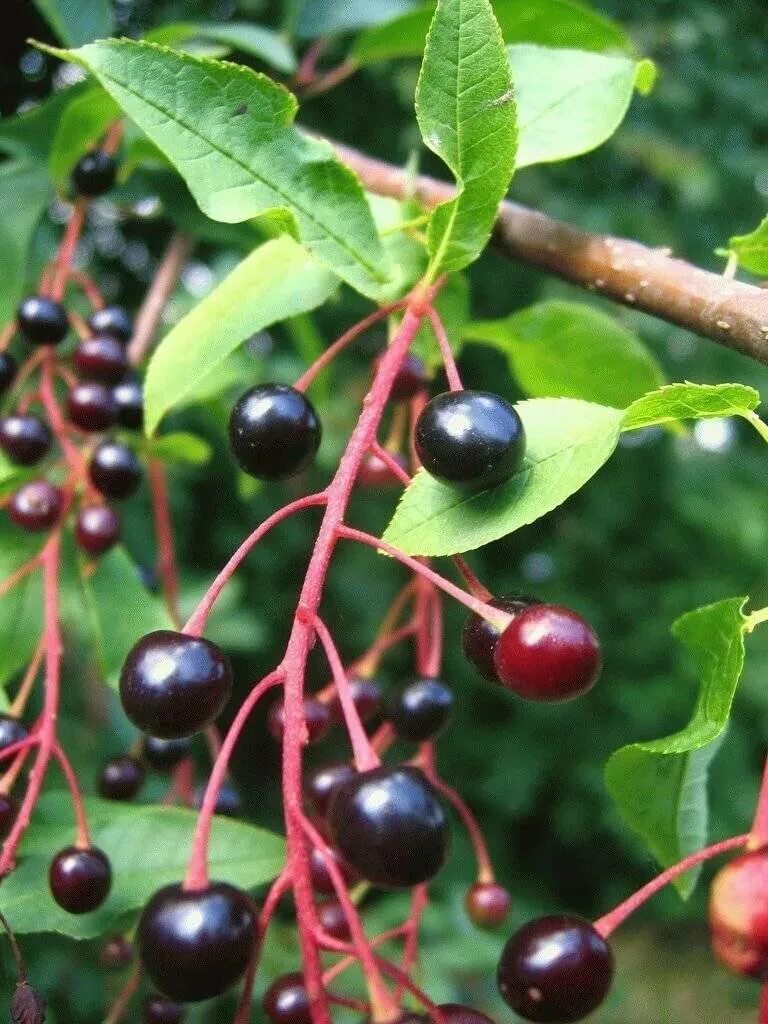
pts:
[78, 21]
[571, 350]
[276, 281]
[177, 447]
[567, 442]
[229, 132]
[687, 401]
[452, 305]
[148, 847]
[323, 17]
[30, 134]
[25, 191]
[752, 249]
[79, 129]
[21, 616]
[242, 36]
[569, 101]
[660, 787]
[466, 115]
[547, 22]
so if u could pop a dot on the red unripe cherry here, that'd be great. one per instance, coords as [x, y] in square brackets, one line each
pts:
[738, 914]
[376, 474]
[333, 920]
[487, 904]
[548, 653]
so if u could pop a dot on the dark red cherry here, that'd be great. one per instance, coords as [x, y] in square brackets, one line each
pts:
[8, 370]
[389, 824]
[80, 879]
[322, 783]
[195, 944]
[129, 396]
[274, 431]
[738, 914]
[488, 904]
[92, 407]
[479, 636]
[102, 358]
[454, 1013]
[555, 969]
[159, 1010]
[229, 803]
[333, 920]
[548, 653]
[321, 876]
[112, 320]
[94, 174]
[367, 698]
[25, 438]
[316, 716]
[8, 811]
[121, 778]
[97, 529]
[11, 731]
[286, 1001]
[173, 684]
[421, 710]
[27, 1005]
[411, 378]
[164, 755]
[376, 474]
[114, 470]
[36, 506]
[116, 953]
[42, 321]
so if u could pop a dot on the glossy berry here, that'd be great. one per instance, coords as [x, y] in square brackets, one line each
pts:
[129, 396]
[321, 876]
[159, 1010]
[36, 506]
[487, 904]
[116, 953]
[274, 432]
[8, 811]
[316, 716]
[42, 321]
[97, 529]
[112, 320]
[410, 380]
[8, 369]
[115, 471]
[471, 439]
[738, 914]
[322, 783]
[11, 731]
[25, 438]
[479, 636]
[366, 696]
[80, 880]
[455, 1013]
[102, 358]
[91, 406]
[555, 968]
[333, 920]
[173, 685]
[195, 944]
[377, 475]
[286, 1001]
[94, 174]
[228, 800]
[164, 755]
[421, 710]
[389, 824]
[121, 778]
[548, 653]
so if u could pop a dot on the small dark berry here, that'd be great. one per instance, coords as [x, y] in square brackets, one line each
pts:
[94, 174]
[317, 717]
[321, 876]
[121, 778]
[471, 439]
[411, 378]
[488, 904]
[8, 811]
[27, 1005]
[92, 407]
[25, 438]
[159, 1010]
[112, 320]
[389, 824]
[377, 475]
[115, 471]
[555, 969]
[129, 396]
[36, 506]
[454, 1013]
[11, 731]
[479, 636]
[116, 953]
[173, 685]
[195, 944]
[8, 370]
[333, 920]
[274, 432]
[286, 1001]
[421, 710]
[42, 321]
[322, 783]
[97, 529]
[548, 653]
[101, 358]
[164, 755]
[80, 880]
[738, 914]
[228, 800]
[367, 698]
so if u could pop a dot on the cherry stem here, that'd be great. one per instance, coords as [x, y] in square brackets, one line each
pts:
[367, 663]
[451, 370]
[474, 584]
[82, 839]
[67, 249]
[609, 922]
[89, 288]
[120, 1005]
[19, 574]
[759, 834]
[330, 79]
[419, 901]
[166, 557]
[349, 961]
[435, 648]
[21, 970]
[391, 463]
[168, 272]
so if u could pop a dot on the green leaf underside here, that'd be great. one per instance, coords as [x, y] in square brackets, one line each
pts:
[79, 129]
[235, 35]
[466, 116]
[752, 249]
[570, 350]
[25, 191]
[276, 281]
[660, 787]
[78, 21]
[570, 101]
[229, 132]
[685, 401]
[148, 846]
[547, 22]
[330, 16]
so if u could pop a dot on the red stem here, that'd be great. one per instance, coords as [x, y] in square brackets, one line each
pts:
[763, 1018]
[278, 889]
[474, 584]
[451, 370]
[82, 839]
[411, 947]
[391, 462]
[120, 1005]
[19, 574]
[166, 558]
[67, 249]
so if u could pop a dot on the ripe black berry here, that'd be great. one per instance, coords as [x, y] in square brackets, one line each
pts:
[121, 778]
[488, 904]
[129, 396]
[158, 1010]
[8, 368]
[101, 358]
[172, 684]
[164, 755]
[316, 716]
[80, 880]
[548, 653]
[97, 529]
[286, 1001]
[94, 174]
[274, 431]
[333, 920]
[92, 407]
[25, 438]
[389, 824]
[366, 696]
[471, 439]
[321, 876]
[479, 636]
[42, 321]
[8, 811]
[116, 953]
[421, 709]
[410, 380]
[195, 944]
[11, 731]
[228, 800]
[555, 969]
[36, 506]
[112, 320]
[455, 1013]
[323, 782]
[115, 471]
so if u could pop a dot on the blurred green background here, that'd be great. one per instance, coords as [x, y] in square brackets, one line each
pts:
[669, 524]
